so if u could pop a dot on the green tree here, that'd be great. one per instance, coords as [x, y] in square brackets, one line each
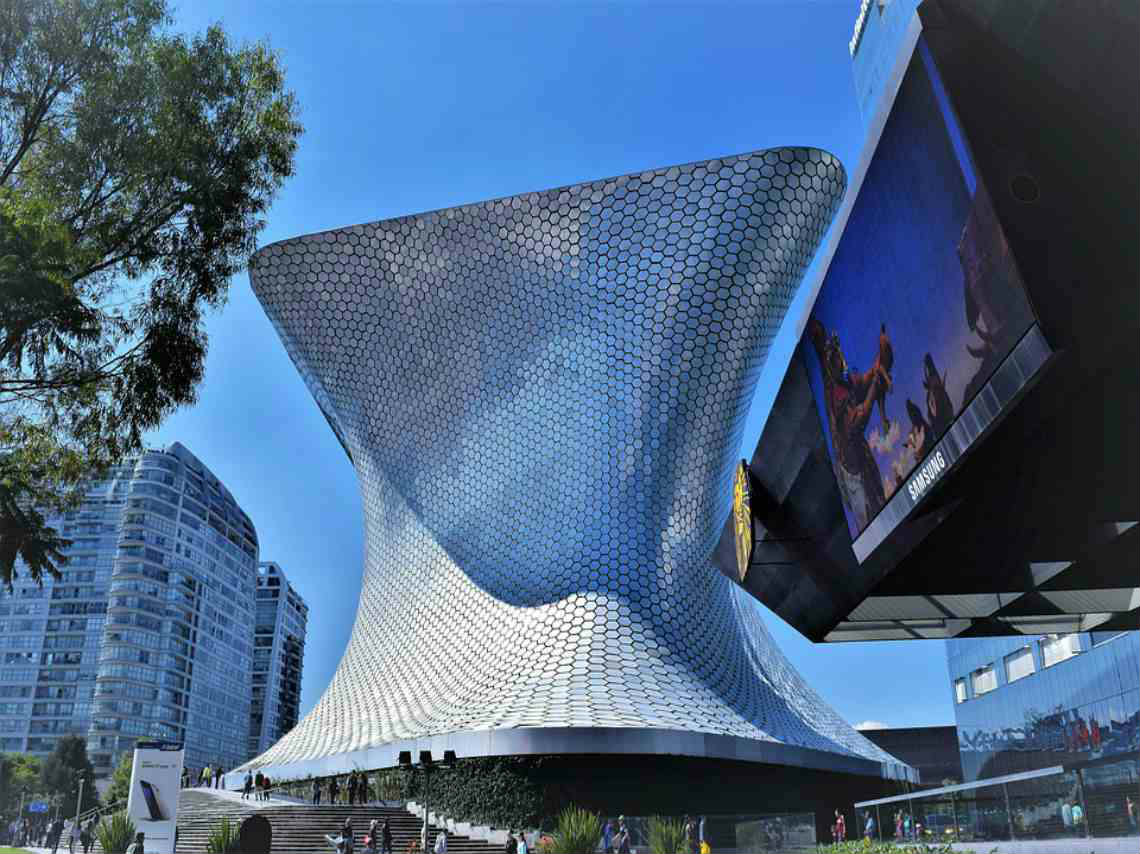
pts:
[61, 771]
[18, 773]
[135, 167]
[120, 787]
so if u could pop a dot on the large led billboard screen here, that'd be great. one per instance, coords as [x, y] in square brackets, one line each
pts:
[921, 304]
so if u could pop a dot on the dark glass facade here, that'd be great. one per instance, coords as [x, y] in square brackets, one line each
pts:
[1024, 703]
[930, 750]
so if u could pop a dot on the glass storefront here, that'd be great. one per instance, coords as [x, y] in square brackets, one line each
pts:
[1098, 799]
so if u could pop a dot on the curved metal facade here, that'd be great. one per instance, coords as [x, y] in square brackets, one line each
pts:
[543, 397]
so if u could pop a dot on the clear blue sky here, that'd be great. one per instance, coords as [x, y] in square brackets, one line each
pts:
[416, 107]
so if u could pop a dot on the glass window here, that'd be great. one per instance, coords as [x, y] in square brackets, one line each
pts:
[960, 691]
[1019, 664]
[984, 679]
[1057, 648]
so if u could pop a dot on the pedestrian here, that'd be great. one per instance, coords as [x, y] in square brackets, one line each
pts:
[247, 786]
[1078, 816]
[511, 846]
[353, 788]
[218, 777]
[268, 787]
[608, 837]
[386, 838]
[138, 846]
[1130, 808]
[87, 836]
[623, 836]
[316, 791]
[441, 843]
[869, 828]
[185, 781]
[257, 784]
[346, 835]
[55, 831]
[840, 827]
[521, 847]
[691, 835]
[334, 790]
[204, 777]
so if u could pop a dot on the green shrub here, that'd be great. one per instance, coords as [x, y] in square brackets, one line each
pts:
[666, 835]
[577, 831]
[115, 833]
[223, 839]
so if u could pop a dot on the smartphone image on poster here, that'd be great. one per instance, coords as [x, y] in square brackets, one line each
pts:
[152, 804]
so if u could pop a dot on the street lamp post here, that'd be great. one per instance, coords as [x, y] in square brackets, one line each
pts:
[78, 809]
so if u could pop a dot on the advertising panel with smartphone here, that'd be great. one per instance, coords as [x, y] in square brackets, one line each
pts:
[920, 306]
[153, 802]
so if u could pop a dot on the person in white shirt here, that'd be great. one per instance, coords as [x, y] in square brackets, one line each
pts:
[441, 843]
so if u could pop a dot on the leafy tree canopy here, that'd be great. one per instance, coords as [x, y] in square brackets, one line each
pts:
[19, 772]
[120, 788]
[135, 167]
[61, 771]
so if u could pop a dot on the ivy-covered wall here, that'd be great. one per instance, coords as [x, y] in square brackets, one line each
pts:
[501, 791]
[512, 792]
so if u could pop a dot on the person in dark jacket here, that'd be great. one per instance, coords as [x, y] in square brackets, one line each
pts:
[317, 790]
[386, 838]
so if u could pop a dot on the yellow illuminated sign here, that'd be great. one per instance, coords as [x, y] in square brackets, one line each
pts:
[742, 518]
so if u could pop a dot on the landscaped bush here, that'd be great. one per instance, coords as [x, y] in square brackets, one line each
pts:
[864, 846]
[223, 839]
[115, 833]
[577, 831]
[666, 835]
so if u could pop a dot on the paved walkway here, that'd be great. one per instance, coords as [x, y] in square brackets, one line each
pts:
[227, 796]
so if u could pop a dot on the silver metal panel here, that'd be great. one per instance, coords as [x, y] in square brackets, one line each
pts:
[543, 397]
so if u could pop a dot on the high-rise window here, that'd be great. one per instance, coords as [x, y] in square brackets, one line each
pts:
[960, 690]
[1057, 648]
[984, 679]
[1019, 664]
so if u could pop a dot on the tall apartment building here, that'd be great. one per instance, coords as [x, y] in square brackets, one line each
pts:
[278, 656]
[147, 633]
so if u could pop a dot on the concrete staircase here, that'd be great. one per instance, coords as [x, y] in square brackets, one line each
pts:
[301, 828]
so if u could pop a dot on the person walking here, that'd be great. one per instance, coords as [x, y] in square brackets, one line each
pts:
[316, 791]
[608, 837]
[869, 828]
[218, 777]
[55, 831]
[138, 846]
[441, 843]
[386, 838]
[840, 827]
[346, 835]
[623, 837]
[334, 790]
[204, 776]
[247, 786]
[87, 836]
[521, 847]
[691, 835]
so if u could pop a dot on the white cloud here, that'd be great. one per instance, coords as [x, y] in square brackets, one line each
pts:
[885, 444]
[871, 725]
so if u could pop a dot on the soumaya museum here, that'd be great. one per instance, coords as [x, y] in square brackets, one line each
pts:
[594, 428]
[544, 396]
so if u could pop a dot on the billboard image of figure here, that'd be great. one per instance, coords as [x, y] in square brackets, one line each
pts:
[920, 305]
